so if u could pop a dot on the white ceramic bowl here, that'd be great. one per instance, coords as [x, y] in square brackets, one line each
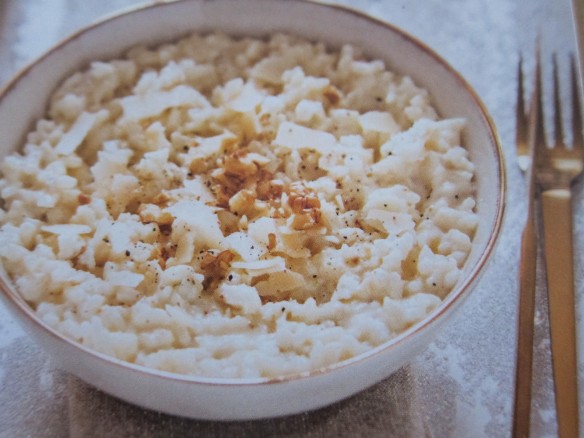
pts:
[230, 399]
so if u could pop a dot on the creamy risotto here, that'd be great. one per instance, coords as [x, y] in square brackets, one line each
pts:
[237, 207]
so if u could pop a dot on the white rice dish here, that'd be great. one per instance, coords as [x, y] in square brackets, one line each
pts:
[237, 207]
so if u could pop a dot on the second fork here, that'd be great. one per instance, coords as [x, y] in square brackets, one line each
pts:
[557, 167]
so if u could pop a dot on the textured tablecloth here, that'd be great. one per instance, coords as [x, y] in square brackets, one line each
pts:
[462, 385]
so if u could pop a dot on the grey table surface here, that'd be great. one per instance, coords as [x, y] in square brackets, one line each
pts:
[462, 385]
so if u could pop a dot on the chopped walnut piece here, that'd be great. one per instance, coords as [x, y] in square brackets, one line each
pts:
[306, 220]
[208, 261]
[301, 198]
[302, 203]
[199, 165]
[276, 187]
[278, 213]
[236, 165]
[230, 177]
[153, 213]
[220, 261]
[332, 94]
[222, 195]
[267, 188]
[215, 267]
[243, 202]
[83, 199]
[163, 257]
[263, 189]
[165, 218]
[239, 181]
[271, 241]
[305, 207]
[231, 182]
[265, 119]
[159, 254]
[160, 199]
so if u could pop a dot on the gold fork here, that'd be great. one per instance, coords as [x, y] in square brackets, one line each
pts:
[557, 167]
[526, 124]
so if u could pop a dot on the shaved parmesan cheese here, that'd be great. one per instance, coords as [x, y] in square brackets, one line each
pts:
[75, 136]
[140, 107]
[295, 136]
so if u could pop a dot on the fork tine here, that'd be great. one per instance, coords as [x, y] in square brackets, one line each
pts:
[577, 139]
[536, 116]
[521, 132]
[558, 130]
[520, 115]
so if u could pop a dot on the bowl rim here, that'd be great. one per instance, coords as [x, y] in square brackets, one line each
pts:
[455, 297]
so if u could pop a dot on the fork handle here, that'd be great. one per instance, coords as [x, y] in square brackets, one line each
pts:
[557, 225]
[524, 364]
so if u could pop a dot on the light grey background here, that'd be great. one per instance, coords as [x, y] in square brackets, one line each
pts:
[463, 384]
